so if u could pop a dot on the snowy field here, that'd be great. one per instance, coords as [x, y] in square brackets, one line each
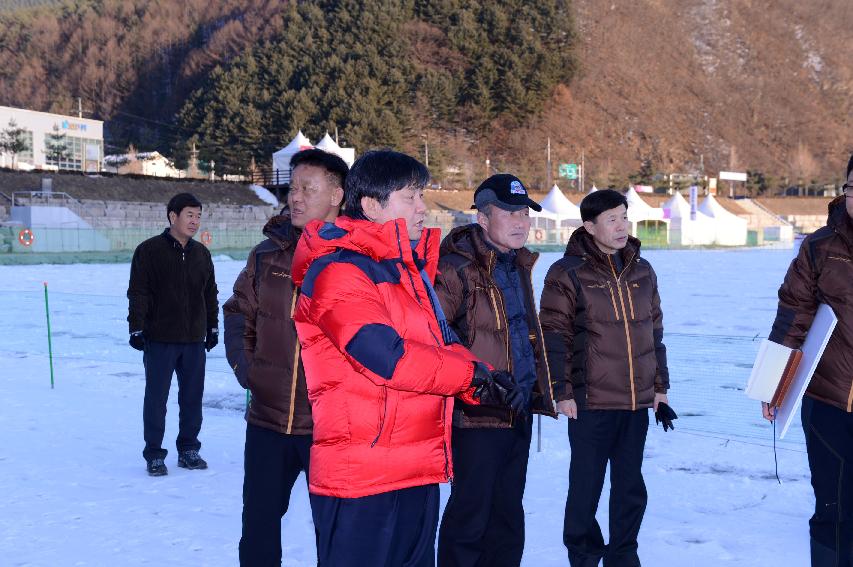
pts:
[76, 491]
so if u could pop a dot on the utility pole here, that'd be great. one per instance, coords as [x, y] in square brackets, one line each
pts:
[426, 151]
[582, 172]
[548, 165]
[79, 107]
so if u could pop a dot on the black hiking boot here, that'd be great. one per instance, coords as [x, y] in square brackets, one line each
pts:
[191, 460]
[156, 467]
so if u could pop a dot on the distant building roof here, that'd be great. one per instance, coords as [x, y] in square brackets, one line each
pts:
[121, 159]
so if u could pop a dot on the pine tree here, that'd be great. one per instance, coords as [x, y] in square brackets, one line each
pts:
[645, 175]
[56, 146]
[13, 140]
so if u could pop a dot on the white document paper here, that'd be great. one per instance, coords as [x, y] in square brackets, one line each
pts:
[813, 347]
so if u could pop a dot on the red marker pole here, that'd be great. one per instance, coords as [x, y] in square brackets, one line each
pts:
[49, 345]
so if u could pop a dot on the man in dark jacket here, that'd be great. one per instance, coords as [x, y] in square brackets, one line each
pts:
[603, 325]
[823, 273]
[486, 291]
[263, 349]
[173, 317]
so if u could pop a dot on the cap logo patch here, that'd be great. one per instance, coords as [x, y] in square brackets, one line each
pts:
[516, 188]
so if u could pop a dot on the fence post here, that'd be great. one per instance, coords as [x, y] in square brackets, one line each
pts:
[539, 433]
[49, 345]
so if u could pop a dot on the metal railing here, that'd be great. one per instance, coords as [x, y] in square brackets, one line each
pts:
[42, 198]
[269, 177]
[57, 199]
[779, 218]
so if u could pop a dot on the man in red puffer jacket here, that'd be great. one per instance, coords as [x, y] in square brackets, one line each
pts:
[381, 366]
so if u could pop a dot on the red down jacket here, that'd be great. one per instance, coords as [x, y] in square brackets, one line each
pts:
[380, 376]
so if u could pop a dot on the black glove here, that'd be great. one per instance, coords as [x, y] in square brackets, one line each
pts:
[482, 376]
[137, 340]
[514, 397]
[665, 415]
[212, 339]
[495, 388]
[486, 389]
[521, 406]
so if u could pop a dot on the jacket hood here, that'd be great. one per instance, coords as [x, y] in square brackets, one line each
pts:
[581, 243]
[469, 242]
[279, 230]
[379, 242]
[839, 219]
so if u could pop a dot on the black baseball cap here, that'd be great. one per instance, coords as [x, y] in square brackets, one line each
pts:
[504, 191]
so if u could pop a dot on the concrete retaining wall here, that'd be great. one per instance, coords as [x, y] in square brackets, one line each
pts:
[122, 225]
[806, 224]
[122, 214]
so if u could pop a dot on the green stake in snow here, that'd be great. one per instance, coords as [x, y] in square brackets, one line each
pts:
[49, 345]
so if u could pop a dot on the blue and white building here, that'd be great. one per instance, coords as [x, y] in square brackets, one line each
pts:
[84, 140]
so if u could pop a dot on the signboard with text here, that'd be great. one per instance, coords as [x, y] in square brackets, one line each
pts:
[694, 200]
[569, 170]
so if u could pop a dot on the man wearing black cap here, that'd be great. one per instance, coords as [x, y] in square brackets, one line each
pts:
[485, 289]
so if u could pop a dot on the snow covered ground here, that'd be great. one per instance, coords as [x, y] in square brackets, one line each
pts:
[76, 492]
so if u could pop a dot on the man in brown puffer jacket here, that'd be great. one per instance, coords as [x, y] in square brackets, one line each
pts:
[263, 349]
[603, 325]
[486, 291]
[823, 273]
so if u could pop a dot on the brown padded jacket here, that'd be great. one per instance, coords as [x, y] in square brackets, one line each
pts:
[475, 308]
[603, 329]
[260, 336]
[822, 273]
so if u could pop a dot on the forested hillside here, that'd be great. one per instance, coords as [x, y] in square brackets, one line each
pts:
[238, 79]
[637, 87]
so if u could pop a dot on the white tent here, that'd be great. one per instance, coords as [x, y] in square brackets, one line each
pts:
[686, 231]
[731, 230]
[647, 222]
[557, 219]
[557, 206]
[639, 210]
[281, 158]
[327, 144]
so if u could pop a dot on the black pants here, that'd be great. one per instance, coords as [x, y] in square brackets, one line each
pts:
[596, 438]
[483, 522]
[272, 462]
[161, 360]
[829, 442]
[392, 529]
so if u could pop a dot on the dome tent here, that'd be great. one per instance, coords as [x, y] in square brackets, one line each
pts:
[685, 231]
[639, 210]
[731, 230]
[557, 219]
[281, 158]
[327, 144]
[647, 222]
[557, 206]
